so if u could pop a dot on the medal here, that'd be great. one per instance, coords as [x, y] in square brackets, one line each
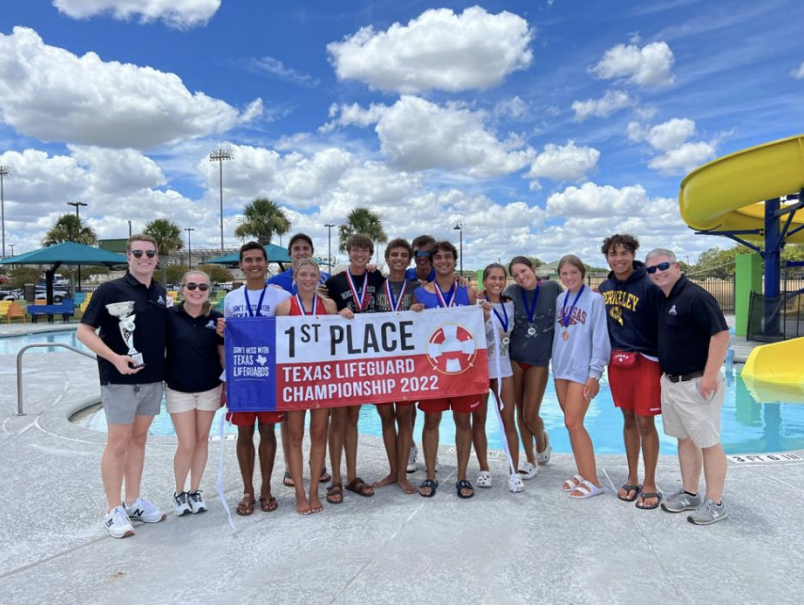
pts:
[301, 305]
[530, 311]
[566, 316]
[449, 300]
[258, 311]
[395, 304]
[531, 331]
[360, 297]
[506, 340]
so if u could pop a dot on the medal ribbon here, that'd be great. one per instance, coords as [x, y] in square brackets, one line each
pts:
[301, 305]
[360, 297]
[531, 310]
[504, 323]
[446, 302]
[395, 304]
[258, 312]
[565, 317]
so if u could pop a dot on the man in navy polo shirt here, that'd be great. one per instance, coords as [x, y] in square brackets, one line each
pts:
[693, 339]
[423, 271]
[300, 246]
[131, 388]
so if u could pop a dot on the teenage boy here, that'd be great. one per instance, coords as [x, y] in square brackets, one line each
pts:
[130, 313]
[693, 339]
[397, 295]
[445, 292]
[423, 271]
[632, 303]
[354, 291]
[254, 299]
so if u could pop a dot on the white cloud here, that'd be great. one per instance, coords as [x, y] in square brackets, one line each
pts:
[648, 66]
[665, 136]
[353, 114]
[118, 172]
[670, 137]
[180, 14]
[684, 158]
[563, 163]
[107, 104]
[798, 73]
[611, 102]
[511, 108]
[437, 50]
[275, 67]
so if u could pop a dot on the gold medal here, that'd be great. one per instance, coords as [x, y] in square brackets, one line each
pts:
[565, 335]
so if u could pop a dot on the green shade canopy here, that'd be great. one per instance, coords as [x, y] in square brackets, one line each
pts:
[275, 254]
[68, 253]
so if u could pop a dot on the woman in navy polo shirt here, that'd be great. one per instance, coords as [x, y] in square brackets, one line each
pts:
[194, 366]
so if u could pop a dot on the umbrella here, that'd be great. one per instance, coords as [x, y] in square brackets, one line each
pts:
[66, 253]
[275, 254]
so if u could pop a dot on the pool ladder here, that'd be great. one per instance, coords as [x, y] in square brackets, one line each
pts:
[19, 366]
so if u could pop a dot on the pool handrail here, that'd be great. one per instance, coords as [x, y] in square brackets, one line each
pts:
[43, 345]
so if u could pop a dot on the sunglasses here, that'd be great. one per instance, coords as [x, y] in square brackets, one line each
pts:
[193, 286]
[137, 253]
[422, 254]
[663, 266]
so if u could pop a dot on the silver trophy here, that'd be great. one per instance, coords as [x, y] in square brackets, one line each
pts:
[123, 310]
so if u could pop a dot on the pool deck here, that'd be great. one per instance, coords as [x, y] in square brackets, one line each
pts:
[537, 547]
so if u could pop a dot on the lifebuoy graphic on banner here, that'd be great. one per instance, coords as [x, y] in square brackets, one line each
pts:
[451, 349]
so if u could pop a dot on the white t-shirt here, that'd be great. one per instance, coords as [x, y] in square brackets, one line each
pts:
[235, 305]
[505, 361]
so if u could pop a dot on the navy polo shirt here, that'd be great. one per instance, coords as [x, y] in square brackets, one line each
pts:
[193, 364]
[688, 318]
[149, 333]
[410, 275]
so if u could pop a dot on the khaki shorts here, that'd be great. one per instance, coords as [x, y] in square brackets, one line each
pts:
[178, 402]
[687, 415]
[122, 402]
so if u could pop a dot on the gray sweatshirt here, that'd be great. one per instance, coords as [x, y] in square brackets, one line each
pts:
[586, 351]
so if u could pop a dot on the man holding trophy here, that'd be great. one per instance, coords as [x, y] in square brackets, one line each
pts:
[124, 324]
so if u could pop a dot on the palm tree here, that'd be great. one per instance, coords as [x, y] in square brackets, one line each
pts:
[264, 218]
[167, 235]
[362, 221]
[69, 228]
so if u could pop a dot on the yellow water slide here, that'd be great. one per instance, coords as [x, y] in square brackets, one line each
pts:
[775, 372]
[729, 193]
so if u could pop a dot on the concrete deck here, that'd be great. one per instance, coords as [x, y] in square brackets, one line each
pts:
[533, 548]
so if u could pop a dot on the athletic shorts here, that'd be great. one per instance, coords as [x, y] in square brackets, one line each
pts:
[637, 388]
[397, 403]
[178, 402]
[462, 405]
[122, 402]
[249, 418]
[687, 415]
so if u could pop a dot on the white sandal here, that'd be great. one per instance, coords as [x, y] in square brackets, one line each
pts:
[574, 482]
[587, 490]
[528, 470]
[484, 479]
[515, 484]
[544, 457]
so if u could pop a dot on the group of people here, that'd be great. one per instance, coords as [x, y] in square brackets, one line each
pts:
[662, 337]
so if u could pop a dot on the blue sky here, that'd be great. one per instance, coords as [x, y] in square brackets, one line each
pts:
[542, 126]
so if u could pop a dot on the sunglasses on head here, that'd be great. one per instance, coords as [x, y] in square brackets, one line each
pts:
[663, 266]
[137, 253]
[422, 254]
[193, 286]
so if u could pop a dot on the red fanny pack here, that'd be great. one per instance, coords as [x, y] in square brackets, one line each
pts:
[621, 358]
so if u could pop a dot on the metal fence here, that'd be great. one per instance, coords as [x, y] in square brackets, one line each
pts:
[788, 308]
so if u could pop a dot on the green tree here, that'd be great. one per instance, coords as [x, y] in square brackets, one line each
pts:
[69, 228]
[361, 221]
[264, 218]
[167, 235]
[217, 273]
[20, 275]
[717, 262]
[536, 261]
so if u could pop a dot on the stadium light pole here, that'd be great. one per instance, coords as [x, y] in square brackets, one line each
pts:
[4, 171]
[189, 248]
[220, 155]
[459, 227]
[129, 228]
[329, 245]
[78, 206]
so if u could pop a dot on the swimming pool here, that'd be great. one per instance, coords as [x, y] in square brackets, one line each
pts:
[748, 426]
[11, 345]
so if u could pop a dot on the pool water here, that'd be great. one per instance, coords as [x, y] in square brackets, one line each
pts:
[11, 345]
[748, 426]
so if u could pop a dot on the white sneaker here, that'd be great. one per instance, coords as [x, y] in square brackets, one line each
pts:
[180, 505]
[544, 457]
[144, 511]
[118, 524]
[414, 452]
[197, 503]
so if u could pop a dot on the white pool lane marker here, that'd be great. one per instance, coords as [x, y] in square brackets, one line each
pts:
[764, 458]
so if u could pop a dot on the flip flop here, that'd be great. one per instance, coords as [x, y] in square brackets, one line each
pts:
[335, 494]
[573, 482]
[464, 485]
[246, 505]
[431, 484]
[628, 489]
[644, 495]
[325, 476]
[268, 504]
[287, 480]
[358, 486]
[587, 490]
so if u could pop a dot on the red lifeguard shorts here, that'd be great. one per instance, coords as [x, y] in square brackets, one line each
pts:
[637, 388]
[248, 418]
[463, 405]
